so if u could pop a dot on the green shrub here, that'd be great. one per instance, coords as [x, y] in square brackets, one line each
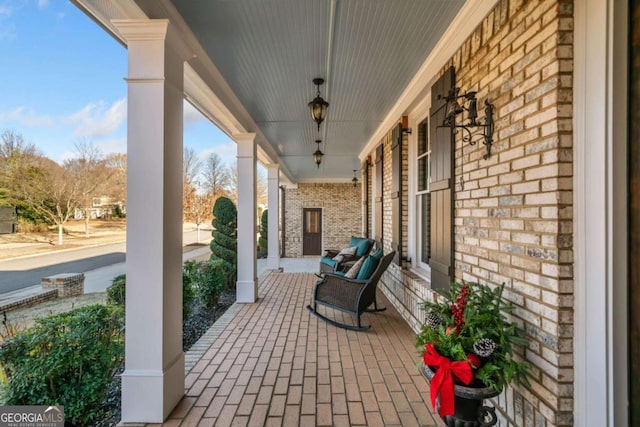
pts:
[116, 292]
[264, 233]
[118, 212]
[207, 279]
[224, 243]
[213, 282]
[189, 279]
[68, 359]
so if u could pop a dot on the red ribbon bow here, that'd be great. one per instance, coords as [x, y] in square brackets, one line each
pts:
[442, 381]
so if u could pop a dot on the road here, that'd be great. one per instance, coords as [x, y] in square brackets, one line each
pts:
[21, 273]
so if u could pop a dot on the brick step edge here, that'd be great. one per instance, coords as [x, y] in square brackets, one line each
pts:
[30, 300]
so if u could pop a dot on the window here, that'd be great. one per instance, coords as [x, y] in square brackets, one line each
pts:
[423, 204]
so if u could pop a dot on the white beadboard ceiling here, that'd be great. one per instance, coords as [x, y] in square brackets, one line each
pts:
[268, 51]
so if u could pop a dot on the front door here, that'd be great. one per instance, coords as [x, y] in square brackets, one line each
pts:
[312, 231]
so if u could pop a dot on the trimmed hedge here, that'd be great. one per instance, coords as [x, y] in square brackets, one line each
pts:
[263, 240]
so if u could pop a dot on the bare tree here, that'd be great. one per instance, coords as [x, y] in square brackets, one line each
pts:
[49, 189]
[91, 173]
[191, 166]
[232, 183]
[13, 145]
[15, 156]
[261, 187]
[197, 207]
[117, 187]
[14, 152]
[215, 175]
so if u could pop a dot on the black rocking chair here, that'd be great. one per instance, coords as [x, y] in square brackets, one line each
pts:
[349, 295]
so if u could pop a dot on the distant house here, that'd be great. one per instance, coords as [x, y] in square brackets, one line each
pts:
[8, 219]
[101, 207]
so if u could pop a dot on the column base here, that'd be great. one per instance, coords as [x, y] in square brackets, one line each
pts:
[273, 262]
[246, 291]
[149, 396]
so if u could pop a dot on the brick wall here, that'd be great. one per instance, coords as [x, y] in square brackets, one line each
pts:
[341, 214]
[67, 284]
[513, 212]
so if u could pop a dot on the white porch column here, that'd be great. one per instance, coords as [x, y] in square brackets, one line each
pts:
[273, 192]
[247, 284]
[153, 381]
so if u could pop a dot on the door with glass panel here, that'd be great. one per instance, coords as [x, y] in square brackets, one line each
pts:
[312, 231]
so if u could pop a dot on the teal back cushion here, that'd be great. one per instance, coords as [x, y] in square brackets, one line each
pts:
[368, 267]
[362, 243]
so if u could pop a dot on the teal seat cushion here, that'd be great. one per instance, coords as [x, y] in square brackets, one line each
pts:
[361, 243]
[328, 261]
[377, 254]
[339, 273]
[368, 267]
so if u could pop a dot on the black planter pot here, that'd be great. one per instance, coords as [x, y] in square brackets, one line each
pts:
[469, 408]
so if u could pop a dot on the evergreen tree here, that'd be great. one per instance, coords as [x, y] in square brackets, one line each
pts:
[264, 233]
[224, 244]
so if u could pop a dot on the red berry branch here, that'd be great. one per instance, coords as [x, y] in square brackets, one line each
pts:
[457, 309]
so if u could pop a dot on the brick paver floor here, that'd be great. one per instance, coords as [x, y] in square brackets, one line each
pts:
[275, 364]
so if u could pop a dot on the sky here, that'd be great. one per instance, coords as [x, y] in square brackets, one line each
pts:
[62, 82]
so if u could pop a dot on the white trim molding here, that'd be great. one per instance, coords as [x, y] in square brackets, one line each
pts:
[600, 209]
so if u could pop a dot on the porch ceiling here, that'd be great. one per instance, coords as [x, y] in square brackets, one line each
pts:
[268, 51]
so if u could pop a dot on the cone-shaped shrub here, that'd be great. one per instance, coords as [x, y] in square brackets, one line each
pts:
[264, 233]
[224, 244]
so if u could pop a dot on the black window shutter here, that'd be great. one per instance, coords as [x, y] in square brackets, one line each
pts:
[442, 158]
[379, 192]
[396, 193]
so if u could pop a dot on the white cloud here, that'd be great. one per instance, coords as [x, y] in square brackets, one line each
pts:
[106, 147]
[26, 117]
[115, 145]
[228, 152]
[8, 33]
[191, 115]
[95, 120]
[42, 4]
[66, 155]
[5, 11]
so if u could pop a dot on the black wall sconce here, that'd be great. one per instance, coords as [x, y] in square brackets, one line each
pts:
[317, 156]
[354, 180]
[318, 106]
[453, 108]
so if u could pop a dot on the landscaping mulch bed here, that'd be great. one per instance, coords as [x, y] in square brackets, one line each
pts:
[199, 321]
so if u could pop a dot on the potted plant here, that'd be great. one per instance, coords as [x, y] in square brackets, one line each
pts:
[467, 344]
